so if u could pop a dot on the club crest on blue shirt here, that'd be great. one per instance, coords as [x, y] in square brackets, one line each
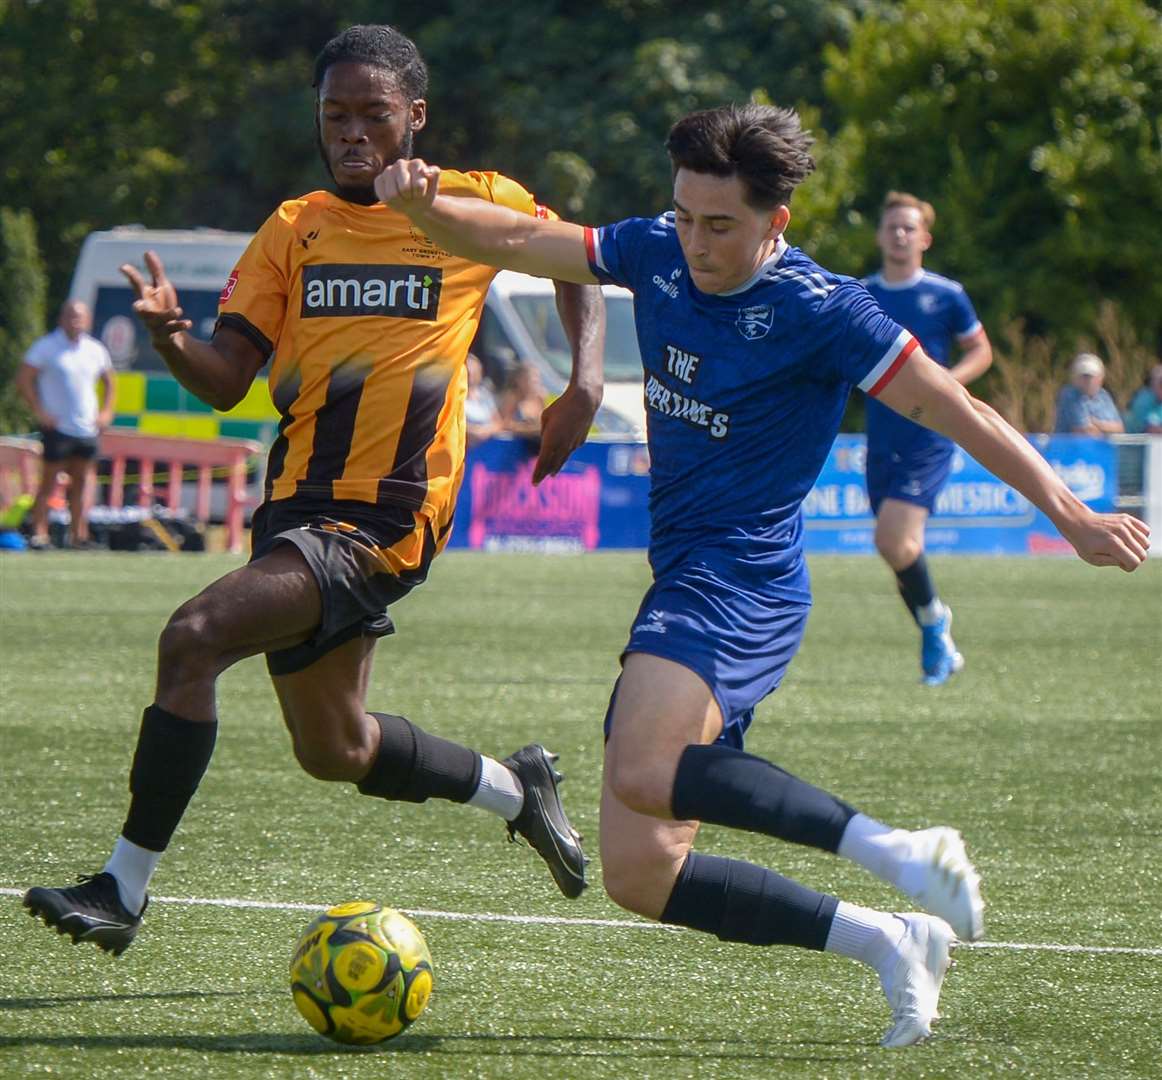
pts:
[755, 322]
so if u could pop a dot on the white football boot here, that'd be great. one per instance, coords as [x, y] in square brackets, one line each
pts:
[912, 975]
[932, 868]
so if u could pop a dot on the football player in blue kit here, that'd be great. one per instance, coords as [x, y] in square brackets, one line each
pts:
[907, 463]
[750, 350]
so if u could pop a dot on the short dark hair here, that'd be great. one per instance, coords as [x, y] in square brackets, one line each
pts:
[381, 46]
[763, 145]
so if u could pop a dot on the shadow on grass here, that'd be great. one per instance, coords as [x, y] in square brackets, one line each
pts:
[680, 1049]
[76, 999]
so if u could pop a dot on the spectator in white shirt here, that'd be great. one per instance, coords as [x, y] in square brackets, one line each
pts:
[59, 380]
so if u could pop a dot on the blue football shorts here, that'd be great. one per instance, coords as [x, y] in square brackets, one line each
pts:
[738, 642]
[916, 477]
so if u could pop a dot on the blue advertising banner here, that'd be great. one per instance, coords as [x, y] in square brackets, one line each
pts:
[975, 514]
[601, 500]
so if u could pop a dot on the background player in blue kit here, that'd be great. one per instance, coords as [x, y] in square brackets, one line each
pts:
[908, 464]
[750, 350]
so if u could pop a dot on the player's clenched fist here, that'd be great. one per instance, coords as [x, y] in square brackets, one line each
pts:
[1112, 540]
[408, 182]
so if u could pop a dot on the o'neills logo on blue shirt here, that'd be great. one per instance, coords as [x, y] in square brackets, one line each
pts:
[400, 292]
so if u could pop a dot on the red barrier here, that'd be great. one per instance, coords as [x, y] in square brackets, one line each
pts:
[20, 471]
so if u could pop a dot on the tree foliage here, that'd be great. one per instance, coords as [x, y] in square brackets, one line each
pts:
[177, 114]
[22, 308]
[161, 112]
[579, 107]
[1035, 127]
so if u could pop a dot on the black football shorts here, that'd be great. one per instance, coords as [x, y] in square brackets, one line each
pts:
[364, 558]
[57, 446]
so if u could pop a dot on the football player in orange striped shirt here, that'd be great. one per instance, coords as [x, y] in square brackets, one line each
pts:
[367, 326]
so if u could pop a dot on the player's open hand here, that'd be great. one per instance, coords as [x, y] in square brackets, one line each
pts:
[1111, 540]
[157, 302]
[408, 185]
[564, 426]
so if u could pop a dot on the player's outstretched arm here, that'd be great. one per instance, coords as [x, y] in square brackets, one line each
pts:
[219, 372]
[481, 231]
[925, 392]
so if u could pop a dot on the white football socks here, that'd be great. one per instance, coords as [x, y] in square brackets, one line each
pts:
[930, 614]
[869, 936]
[132, 867]
[499, 791]
[868, 843]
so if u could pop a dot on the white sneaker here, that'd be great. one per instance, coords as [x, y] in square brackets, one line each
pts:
[935, 872]
[911, 978]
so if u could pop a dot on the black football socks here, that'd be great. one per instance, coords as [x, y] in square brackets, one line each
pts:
[413, 766]
[738, 901]
[170, 760]
[916, 588]
[723, 786]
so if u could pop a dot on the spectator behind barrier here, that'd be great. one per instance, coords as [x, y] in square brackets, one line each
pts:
[482, 419]
[1145, 411]
[1083, 406]
[522, 402]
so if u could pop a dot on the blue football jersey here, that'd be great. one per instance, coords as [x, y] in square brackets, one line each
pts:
[744, 395]
[939, 312]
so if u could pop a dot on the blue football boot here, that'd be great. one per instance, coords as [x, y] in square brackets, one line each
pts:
[939, 658]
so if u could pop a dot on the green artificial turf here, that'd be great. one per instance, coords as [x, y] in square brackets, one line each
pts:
[1045, 752]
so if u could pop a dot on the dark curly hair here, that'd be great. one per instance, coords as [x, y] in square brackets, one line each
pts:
[383, 47]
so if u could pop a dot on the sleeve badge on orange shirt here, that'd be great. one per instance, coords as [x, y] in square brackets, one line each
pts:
[228, 288]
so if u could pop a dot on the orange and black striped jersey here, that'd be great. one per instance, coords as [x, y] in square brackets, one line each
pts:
[369, 324]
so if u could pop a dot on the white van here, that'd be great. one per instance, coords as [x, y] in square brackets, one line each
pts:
[149, 398]
[519, 322]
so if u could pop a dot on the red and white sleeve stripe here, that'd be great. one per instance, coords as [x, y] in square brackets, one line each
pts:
[891, 362]
[593, 250]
